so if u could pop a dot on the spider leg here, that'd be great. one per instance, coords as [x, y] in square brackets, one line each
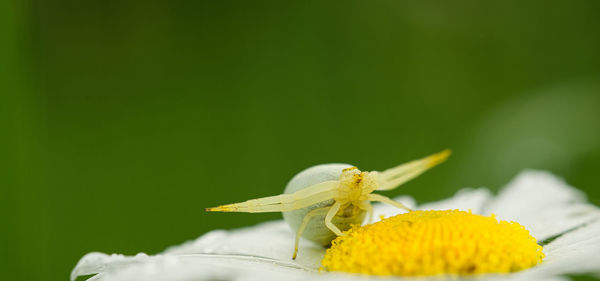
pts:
[332, 212]
[365, 205]
[305, 221]
[381, 198]
[285, 202]
[393, 177]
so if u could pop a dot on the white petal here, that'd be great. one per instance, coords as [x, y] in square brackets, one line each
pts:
[267, 246]
[575, 252]
[273, 240]
[543, 203]
[185, 267]
[465, 199]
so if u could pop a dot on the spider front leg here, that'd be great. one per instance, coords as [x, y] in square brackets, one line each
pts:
[383, 199]
[285, 202]
[393, 177]
[332, 212]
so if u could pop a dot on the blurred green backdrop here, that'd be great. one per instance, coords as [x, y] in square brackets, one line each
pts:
[122, 120]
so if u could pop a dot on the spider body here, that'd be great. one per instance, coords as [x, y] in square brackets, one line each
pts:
[315, 229]
[322, 201]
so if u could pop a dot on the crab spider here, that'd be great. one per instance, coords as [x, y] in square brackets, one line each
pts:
[322, 201]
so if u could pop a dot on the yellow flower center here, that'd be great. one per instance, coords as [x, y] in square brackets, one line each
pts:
[434, 242]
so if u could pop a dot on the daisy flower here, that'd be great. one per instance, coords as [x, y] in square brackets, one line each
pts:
[538, 228]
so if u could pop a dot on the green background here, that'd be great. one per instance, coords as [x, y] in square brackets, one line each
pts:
[122, 120]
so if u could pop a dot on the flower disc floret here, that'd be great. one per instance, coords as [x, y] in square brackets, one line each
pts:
[432, 243]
